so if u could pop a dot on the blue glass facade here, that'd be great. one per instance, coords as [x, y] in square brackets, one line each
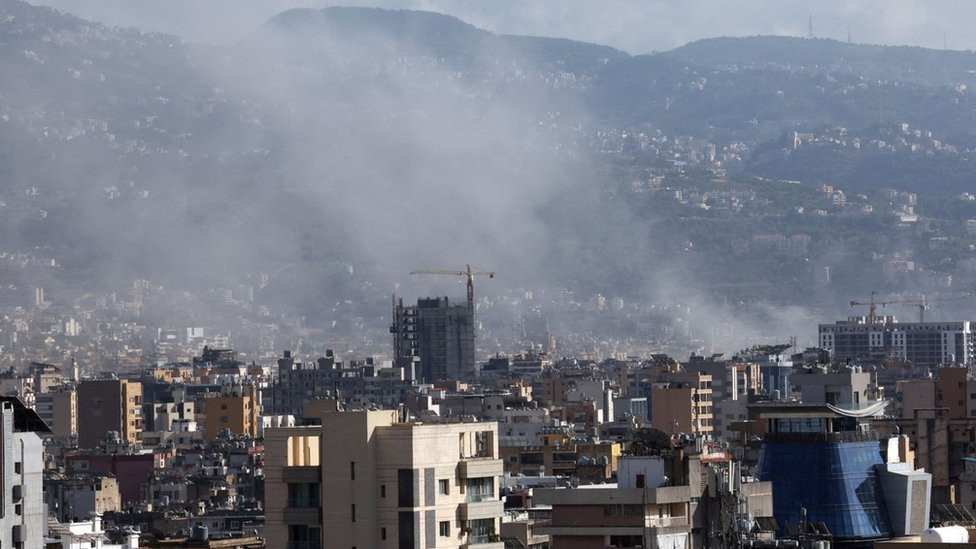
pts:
[776, 377]
[836, 482]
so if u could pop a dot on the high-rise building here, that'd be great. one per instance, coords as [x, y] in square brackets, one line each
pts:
[923, 344]
[434, 340]
[23, 512]
[368, 479]
[109, 405]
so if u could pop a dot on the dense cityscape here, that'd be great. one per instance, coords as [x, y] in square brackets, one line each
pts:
[381, 278]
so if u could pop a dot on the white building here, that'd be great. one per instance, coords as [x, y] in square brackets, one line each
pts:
[88, 534]
[23, 513]
[924, 344]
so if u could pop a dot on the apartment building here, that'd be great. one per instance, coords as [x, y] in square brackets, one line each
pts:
[22, 508]
[369, 479]
[235, 408]
[681, 402]
[109, 405]
[58, 407]
[654, 504]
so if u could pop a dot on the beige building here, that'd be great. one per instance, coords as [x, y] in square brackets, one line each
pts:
[109, 405]
[953, 388]
[650, 506]
[75, 497]
[59, 410]
[237, 410]
[366, 479]
[682, 403]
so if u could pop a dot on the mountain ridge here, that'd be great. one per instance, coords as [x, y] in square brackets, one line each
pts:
[284, 148]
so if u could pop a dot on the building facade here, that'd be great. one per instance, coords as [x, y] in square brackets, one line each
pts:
[367, 479]
[682, 403]
[58, 407]
[236, 408]
[923, 344]
[655, 504]
[22, 509]
[109, 405]
[434, 339]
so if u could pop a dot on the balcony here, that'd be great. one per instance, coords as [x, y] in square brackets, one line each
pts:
[550, 530]
[304, 503]
[307, 516]
[488, 541]
[669, 494]
[489, 509]
[477, 497]
[301, 474]
[666, 522]
[481, 467]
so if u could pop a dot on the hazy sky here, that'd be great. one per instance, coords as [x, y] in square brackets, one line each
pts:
[636, 26]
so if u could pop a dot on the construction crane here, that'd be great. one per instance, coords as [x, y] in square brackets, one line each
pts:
[921, 303]
[872, 307]
[467, 272]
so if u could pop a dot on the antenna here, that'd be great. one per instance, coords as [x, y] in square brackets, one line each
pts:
[848, 34]
[810, 27]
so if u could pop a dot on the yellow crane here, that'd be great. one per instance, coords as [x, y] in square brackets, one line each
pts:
[921, 303]
[467, 272]
[872, 307]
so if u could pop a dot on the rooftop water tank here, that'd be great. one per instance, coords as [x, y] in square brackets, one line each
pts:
[945, 534]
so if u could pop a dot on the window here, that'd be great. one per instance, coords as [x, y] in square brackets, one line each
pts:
[353, 511]
[445, 528]
[623, 510]
[382, 490]
[17, 467]
[383, 534]
[626, 541]
[443, 487]
[479, 489]
[352, 470]
[303, 494]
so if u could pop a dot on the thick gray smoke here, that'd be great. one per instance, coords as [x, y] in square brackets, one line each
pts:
[334, 163]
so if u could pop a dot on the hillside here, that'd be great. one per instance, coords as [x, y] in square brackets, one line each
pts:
[334, 150]
[915, 65]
